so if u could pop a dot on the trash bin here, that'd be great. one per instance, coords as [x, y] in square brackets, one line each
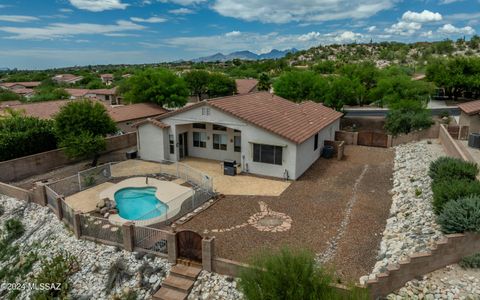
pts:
[328, 151]
[230, 167]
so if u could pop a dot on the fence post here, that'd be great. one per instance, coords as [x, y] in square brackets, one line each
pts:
[207, 253]
[178, 174]
[77, 230]
[172, 246]
[40, 194]
[58, 203]
[128, 230]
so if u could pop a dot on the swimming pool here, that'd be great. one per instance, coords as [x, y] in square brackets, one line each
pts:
[139, 203]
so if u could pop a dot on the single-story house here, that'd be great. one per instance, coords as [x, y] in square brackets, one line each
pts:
[107, 95]
[19, 85]
[67, 78]
[266, 134]
[124, 115]
[107, 78]
[470, 115]
[245, 86]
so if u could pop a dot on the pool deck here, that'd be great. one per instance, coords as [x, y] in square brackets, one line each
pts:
[86, 201]
[170, 193]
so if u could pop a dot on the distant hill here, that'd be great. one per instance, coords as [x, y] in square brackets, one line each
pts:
[245, 55]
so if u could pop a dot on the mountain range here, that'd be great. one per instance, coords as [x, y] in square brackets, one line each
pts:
[245, 55]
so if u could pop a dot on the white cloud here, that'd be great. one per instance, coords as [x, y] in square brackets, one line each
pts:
[347, 36]
[181, 2]
[427, 33]
[233, 33]
[98, 5]
[66, 10]
[284, 11]
[422, 17]
[149, 20]
[309, 36]
[450, 29]
[61, 30]
[181, 11]
[404, 28]
[17, 18]
[449, 1]
[371, 28]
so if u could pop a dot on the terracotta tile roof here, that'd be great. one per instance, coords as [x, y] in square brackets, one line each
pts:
[83, 92]
[106, 76]
[23, 91]
[135, 111]
[48, 109]
[470, 108]
[245, 86]
[67, 77]
[293, 121]
[155, 122]
[27, 84]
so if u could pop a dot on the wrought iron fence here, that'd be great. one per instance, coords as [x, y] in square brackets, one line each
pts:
[94, 176]
[187, 173]
[66, 186]
[100, 229]
[150, 240]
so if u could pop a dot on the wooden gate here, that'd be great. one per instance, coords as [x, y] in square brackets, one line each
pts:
[189, 245]
[372, 139]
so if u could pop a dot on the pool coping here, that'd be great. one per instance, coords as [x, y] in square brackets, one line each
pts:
[171, 194]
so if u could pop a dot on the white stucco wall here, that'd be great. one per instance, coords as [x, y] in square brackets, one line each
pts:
[306, 155]
[151, 145]
[472, 121]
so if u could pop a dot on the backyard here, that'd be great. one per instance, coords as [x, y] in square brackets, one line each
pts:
[337, 209]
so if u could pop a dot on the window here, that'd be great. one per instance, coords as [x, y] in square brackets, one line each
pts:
[205, 111]
[200, 139]
[219, 127]
[267, 154]
[220, 141]
[237, 143]
[200, 125]
[315, 143]
[236, 131]
[171, 144]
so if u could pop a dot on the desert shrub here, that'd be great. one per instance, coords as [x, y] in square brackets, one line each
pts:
[126, 294]
[447, 190]
[450, 168]
[14, 228]
[461, 215]
[471, 262]
[289, 274]
[57, 270]
[2, 210]
[117, 273]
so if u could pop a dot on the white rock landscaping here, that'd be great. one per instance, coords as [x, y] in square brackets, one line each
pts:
[215, 286]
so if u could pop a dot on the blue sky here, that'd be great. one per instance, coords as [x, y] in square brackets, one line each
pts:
[37, 34]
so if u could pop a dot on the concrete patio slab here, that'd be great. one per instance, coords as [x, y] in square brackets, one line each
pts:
[86, 201]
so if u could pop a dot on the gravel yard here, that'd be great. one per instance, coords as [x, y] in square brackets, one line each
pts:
[337, 209]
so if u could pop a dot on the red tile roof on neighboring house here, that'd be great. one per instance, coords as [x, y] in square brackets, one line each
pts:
[470, 108]
[84, 92]
[67, 77]
[245, 86]
[23, 91]
[48, 109]
[135, 111]
[106, 76]
[26, 84]
[296, 122]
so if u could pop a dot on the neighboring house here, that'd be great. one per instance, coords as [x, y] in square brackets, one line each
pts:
[245, 86]
[123, 115]
[67, 78]
[470, 115]
[106, 95]
[265, 134]
[20, 85]
[107, 78]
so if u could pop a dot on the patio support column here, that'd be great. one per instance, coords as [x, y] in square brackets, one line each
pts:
[76, 225]
[172, 247]
[59, 212]
[128, 230]
[208, 244]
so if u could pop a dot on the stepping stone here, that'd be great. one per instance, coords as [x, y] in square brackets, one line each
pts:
[165, 293]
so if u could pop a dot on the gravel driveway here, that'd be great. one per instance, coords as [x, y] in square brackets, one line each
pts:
[338, 209]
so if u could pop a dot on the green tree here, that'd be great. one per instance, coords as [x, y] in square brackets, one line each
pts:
[296, 86]
[220, 85]
[159, 86]
[197, 82]
[324, 67]
[21, 135]
[394, 88]
[406, 116]
[81, 127]
[264, 82]
[7, 95]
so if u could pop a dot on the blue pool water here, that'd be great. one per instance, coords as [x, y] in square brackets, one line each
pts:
[139, 203]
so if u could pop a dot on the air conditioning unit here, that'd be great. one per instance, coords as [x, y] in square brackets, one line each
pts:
[474, 140]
